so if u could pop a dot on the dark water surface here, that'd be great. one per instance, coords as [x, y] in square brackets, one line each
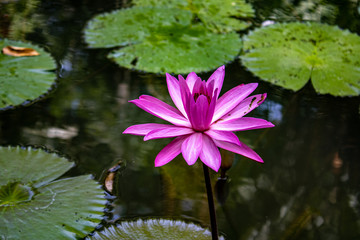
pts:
[308, 188]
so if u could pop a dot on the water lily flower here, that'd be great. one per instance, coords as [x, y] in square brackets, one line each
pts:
[202, 122]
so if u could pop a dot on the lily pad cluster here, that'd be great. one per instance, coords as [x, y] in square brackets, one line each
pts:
[24, 78]
[290, 54]
[227, 16]
[35, 204]
[153, 229]
[161, 39]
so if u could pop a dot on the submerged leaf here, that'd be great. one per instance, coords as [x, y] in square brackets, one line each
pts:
[217, 17]
[19, 51]
[161, 40]
[290, 54]
[153, 229]
[34, 206]
[24, 78]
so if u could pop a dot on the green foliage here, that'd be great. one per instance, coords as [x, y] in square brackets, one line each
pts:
[161, 40]
[307, 10]
[21, 16]
[217, 16]
[34, 206]
[153, 229]
[290, 54]
[24, 78]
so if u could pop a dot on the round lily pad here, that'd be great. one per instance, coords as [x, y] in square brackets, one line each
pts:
[153, 229]
[290, 54]
[225, 17]
[34, 205]
[24, 78]
[160, 40]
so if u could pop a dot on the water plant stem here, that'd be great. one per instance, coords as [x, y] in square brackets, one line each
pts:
[210, 197]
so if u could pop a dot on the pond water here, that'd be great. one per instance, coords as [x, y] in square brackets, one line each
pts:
[308, 187]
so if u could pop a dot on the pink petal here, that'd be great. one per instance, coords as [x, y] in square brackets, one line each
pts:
[186, 97]
[241, 124]
[143, 129]
[191, 79]
[211, 109]
[210, 154]
[174, 91]
[169, 152]
[160, 109]
[223, 136]
[199, 112]
[169, 131]
[241, 149]
[218, 78]
[231, 99]
[245, 106]
[196, 87]
[210, 91]
[191, 148]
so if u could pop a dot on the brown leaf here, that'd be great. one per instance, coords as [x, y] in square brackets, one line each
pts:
[109, 182]
[110, 176]
[19, 51]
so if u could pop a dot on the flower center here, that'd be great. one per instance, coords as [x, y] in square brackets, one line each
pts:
[201, 89]
[201, 112]
[197, 95]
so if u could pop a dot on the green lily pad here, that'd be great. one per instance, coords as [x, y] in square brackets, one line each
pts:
[153, 229]
[217, 17]
[161, 40]
[24, 79]
[290, 54]
[34, 206]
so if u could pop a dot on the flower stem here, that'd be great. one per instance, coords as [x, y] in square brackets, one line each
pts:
[214, 229]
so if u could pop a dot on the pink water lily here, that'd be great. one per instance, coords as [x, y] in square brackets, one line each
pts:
[202, 122]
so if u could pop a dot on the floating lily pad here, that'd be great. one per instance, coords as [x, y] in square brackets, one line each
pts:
[24, 79]
[224, 17]
[161, 40]
[154, 229]
[290, 54]
[34, 206]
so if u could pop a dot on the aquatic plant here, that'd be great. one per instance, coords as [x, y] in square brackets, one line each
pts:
[150, 37]
[228, 16]
[290, 54]
[153, 229]
[202, 121]
[35, 204]
[24, 79]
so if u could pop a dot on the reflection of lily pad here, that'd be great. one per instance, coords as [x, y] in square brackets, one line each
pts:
[24, 78]
[161, 40]
[34, 206]
[290, 54]
[154, 229]
[217, 17]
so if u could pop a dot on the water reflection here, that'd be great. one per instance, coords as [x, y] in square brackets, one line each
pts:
[308, 187]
